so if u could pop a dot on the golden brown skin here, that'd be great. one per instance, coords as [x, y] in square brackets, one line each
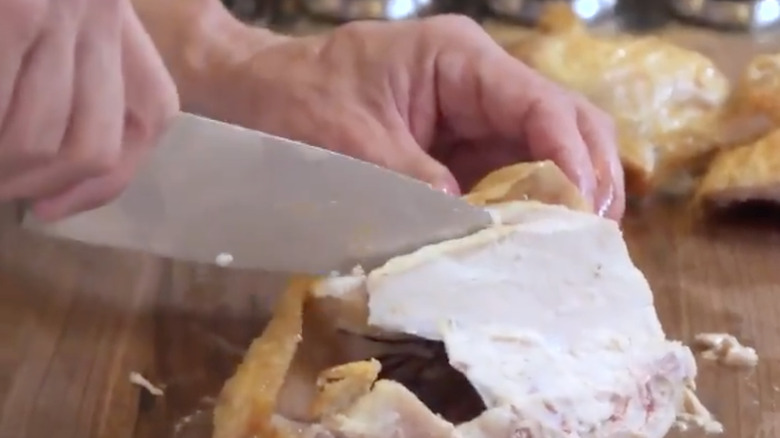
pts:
[540, 181]
[341, 386]
[247, 403]
[665, 99]
[751, 171]
[745, 173]
[758, 91]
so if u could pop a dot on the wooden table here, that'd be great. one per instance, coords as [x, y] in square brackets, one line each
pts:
[75, 321]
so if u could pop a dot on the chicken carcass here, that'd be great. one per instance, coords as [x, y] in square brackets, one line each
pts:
[543, 314]
[666, 100]
[541, 181]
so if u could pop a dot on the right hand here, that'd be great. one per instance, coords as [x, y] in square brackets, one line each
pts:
[83, 95]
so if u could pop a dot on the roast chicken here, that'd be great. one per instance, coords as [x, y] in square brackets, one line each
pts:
[667, 101]
[378, 363]
[758, 91]
[750, 172]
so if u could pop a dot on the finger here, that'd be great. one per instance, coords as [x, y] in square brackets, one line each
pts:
[36, 125]
[484, 92]
[387, 143]
[92, 142]
[22, 23]
[543, 114]
[151, 97]
[553, 134]
[415, 162]
[396, 149]
[598, 132]
[150, 100]
[91, 193]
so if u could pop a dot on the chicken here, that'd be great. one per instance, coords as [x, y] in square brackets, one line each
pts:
[745, 173]
[666, 100]
[541, 181]
[758, 91]
[577, 353]
[750, 171]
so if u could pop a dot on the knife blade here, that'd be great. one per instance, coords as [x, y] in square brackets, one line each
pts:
[213, 190]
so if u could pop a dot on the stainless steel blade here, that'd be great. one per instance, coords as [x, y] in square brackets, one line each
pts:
[212, 188]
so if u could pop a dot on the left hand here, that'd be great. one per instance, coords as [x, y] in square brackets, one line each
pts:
[436, 99]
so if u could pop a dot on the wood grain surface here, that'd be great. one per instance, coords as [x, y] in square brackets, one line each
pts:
[75, 321]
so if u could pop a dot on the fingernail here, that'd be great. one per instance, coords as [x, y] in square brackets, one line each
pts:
[606, 203]
[448, 187]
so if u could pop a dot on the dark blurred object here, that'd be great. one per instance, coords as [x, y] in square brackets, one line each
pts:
[252, 11]
[729, 14]
[528, 11]
[641, 15]
[285, 13]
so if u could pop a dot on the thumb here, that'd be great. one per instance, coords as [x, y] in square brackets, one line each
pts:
[412, 160]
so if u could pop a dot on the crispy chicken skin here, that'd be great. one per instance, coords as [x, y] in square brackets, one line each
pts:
[750, 172]
[665, 99]
[758, 91]
[541, 181]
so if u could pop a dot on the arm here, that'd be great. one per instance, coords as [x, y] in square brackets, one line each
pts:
[202, 45]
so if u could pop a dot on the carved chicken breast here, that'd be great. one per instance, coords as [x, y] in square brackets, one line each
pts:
[665, 99]
[483, 341]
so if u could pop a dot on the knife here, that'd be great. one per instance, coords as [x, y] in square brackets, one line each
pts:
[217, 193]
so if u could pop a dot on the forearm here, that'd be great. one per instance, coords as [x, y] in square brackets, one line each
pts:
[202, 45]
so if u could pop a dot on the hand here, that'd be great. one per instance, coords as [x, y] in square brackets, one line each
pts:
[437, 99]
[83, 94]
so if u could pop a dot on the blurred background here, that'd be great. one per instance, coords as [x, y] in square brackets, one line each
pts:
[723, 15]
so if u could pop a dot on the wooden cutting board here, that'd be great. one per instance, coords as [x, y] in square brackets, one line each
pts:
[75, 321]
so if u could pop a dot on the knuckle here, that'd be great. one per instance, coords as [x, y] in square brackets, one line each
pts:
[95, 156]
[145, 125]
[360, 38]
[355, 27]
[594, 112]
[101, 161]
[354, 34]
[453, 23]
